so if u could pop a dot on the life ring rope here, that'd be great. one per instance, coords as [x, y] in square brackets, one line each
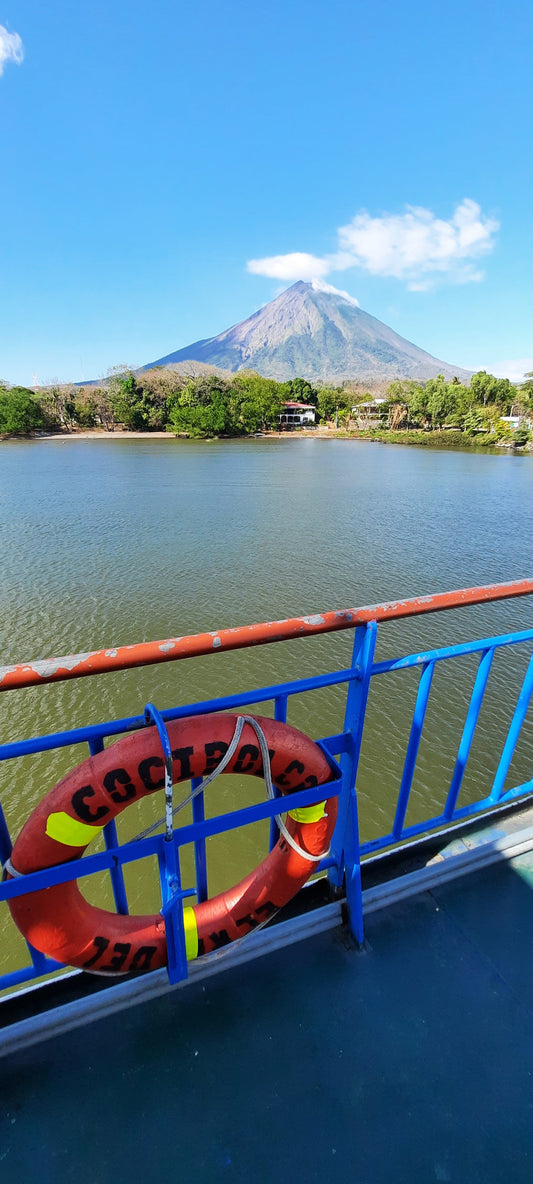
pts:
[305, 814]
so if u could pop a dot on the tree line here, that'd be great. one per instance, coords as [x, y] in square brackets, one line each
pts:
[244, 403]
[475, 410]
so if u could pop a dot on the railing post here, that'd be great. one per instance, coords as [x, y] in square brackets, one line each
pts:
[345, 844]
[172, 911]
[200, 857]
[413, 745]
[280, 713]
[513, 734]
[111, 840]
[476, 699]
[169, 866]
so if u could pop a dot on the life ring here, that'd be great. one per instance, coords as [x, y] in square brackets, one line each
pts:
[62, 924]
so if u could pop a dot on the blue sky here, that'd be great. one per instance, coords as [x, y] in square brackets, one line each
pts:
[168, 168]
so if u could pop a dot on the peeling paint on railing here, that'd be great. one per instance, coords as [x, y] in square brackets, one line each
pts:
[126, 657]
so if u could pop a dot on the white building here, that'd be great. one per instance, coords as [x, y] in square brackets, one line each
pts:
[297, 415]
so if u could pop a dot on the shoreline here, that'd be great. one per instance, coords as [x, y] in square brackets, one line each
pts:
[438, 440]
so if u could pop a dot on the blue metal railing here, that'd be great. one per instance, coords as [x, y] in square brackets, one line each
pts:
[343, 864]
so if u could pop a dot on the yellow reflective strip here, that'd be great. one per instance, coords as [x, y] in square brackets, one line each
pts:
[69, 831]
[309, 813]
[191, 934]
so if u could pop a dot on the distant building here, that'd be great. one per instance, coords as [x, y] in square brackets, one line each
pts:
[297, 415]
[368, 414]
[512, 420]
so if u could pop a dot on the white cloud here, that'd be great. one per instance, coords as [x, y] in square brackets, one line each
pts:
[322, 286]
[297, 266]
[513, 368]
[414, 246]
[11, 48]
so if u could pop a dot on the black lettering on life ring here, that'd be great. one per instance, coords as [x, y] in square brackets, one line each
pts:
[151, 762]
[82, 810]
[121, 949]
[101, 944]
[219, 939]
[244, 765]
[293, 767]
[214, 751]
[309, 783]
[141, 960]
[182, 755]
[117, 777]
[252, 920]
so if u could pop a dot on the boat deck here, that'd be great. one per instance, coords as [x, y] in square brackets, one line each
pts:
[410, 1060]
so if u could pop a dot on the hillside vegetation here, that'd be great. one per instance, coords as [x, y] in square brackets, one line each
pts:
[244, 403]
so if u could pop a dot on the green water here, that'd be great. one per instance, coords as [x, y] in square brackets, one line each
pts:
[108, 542]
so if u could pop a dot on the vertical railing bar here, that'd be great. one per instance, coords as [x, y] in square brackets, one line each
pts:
[39, 961]
[280, 713]
[96, 745]
[172, 910]
[351, 714]
[345, 847]
[419, 716]
[280, 708]
[169, 862]
[200, 854]
[513, 733]
[467, 737]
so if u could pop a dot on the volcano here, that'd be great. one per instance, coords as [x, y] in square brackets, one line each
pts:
[315, 332]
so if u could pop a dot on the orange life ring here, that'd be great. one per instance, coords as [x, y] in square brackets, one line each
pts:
[62, 924]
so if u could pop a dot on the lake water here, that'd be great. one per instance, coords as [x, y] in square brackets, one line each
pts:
[108, 542]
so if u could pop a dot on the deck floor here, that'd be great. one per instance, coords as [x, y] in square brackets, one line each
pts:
[408, 1062]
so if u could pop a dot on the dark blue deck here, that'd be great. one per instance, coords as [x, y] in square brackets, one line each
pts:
[408, 1061]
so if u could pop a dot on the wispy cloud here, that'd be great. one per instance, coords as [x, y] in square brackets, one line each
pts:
[297, 266]
[415, 246]
[513, 368]
[11, 48]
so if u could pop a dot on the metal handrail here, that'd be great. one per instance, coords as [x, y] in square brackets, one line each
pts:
[347, 850]
[126, 657]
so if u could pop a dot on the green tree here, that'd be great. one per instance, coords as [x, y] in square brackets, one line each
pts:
[301, 391]
[202, 408]
[128, 402]
[441, 400]
[20, 412]
[334, 404]
[521, 435]
[257, 402]
[417, 405]
[488, 389]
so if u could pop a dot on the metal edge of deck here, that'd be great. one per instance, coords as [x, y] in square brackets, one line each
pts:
[130, 992]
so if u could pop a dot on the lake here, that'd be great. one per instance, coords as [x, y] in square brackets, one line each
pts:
[105, 542]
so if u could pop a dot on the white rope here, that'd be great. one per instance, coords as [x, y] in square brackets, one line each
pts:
[267, 774]
[11, 871]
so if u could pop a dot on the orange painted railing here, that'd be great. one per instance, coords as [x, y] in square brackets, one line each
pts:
[148, 653]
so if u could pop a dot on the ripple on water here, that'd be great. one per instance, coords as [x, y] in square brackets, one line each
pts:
[108, 543]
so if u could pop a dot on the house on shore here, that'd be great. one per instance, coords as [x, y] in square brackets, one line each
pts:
[297, 415]
[367, 415]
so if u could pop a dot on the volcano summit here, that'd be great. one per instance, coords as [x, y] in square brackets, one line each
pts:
[316, 332]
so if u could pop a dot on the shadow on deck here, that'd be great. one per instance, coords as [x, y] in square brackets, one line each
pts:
[408, 1061]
